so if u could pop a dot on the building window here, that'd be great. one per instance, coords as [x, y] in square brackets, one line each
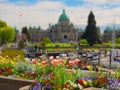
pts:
[65, 36]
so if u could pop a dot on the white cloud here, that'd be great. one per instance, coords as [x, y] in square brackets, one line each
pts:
[45, 12]
[103, 2]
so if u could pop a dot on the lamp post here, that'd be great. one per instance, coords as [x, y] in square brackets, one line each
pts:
[99, 58]
[78, 47]
[110, 59]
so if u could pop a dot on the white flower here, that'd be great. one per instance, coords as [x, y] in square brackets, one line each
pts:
[80, 87]
[74, 85]
[118, 86]
[65, 89]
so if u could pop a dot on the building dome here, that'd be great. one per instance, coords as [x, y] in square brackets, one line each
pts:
[63, 19]
[63, 15]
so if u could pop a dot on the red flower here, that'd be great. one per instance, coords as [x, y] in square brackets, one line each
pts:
[46, 81]
[81, 82]
[35, 83]
[43, 62]
[102, 80]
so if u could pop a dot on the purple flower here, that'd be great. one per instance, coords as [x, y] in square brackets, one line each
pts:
[38, 87]
[113, 83]
[92, 78]
[48, 87]
[86, 78]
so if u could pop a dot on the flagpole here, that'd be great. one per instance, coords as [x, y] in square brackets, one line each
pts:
[20, 15]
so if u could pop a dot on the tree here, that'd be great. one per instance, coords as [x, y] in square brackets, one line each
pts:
[21, 44]
[91, 34]
[46, 40]
[83, 42]
[7, 33]
[25, 31]
[117, 40]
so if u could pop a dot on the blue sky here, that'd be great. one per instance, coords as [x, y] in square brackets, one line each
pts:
[43, 12]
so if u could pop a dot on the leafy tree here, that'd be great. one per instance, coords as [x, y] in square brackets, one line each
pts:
[83, 42]
[91, 34]
[7, 33]
[46, 40]
[2, 24]
[25, 31]
[117, 40]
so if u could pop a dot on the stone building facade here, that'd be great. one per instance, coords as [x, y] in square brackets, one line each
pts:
[62, 31]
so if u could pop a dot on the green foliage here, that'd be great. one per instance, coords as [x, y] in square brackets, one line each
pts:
[91, 33]
[2, 24]
[25, 31]
[59, 44]
[21, 44]
[97, 45]
[117, 40]
[46, 40]
[83, 42]
[7, 33]
[11, 53]
[23, 67]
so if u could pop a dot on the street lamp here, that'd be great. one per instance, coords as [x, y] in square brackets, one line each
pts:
[78, 47]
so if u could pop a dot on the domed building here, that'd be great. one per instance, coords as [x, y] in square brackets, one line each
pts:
[63, 31]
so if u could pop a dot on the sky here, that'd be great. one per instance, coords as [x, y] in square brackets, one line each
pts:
[21, 13]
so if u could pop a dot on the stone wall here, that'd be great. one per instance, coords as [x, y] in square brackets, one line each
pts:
[8, 83]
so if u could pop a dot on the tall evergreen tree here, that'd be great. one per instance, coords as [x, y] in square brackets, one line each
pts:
[25, 31]
[91, 34]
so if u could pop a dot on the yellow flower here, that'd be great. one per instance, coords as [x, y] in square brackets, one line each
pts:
[85, 83]
[90, 67]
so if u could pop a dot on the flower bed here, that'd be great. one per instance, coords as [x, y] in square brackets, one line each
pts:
[57, 74]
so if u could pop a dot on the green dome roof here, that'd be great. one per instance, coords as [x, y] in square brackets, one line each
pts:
[63, 15]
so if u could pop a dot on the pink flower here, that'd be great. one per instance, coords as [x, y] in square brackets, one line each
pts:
[77, 61]
[54, 62]
[51, 57]
[62, 62]
[34, 61]
[71, 63]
